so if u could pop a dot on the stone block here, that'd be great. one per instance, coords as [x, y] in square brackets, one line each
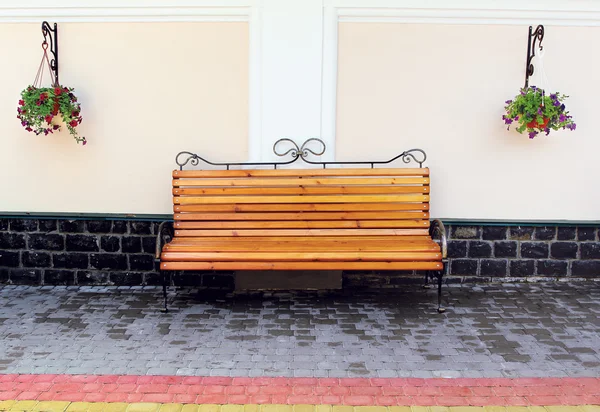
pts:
[141, 262]
[110, 243]
[590, 250]
[10, 259]
[563, 250]
[457, 249]
[131, 244]
[12, 240]
[108, 261]
[505, 249]
[24, 225]
[494, 233]
[552, 268]
[99, 226]
[586, 268]
[534, 250]
[521, 233]
[70, 260]
[59, 277]
[463, 267]
[566, 233]
[46, 241]
[586, 233]
[493, 267]
[71, 226]
[35, 259]
[522, 268]
[478, 249]
[466, 232]
[545, 233]
[82, 243]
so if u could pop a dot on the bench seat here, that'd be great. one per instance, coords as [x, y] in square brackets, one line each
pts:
[309, 219]
[302, 253]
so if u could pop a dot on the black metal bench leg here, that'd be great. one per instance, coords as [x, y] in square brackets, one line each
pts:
[426, 284]
[440, 277]
[164, 285]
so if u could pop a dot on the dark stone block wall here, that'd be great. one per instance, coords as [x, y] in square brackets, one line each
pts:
[121, 252]
[87, 252]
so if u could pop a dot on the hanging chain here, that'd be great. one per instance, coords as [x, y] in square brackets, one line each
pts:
[44, 63]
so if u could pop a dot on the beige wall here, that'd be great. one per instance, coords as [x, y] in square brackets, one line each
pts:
[442, 88]
[148, 91]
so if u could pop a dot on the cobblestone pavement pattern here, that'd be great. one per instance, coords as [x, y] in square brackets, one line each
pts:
[500, 330]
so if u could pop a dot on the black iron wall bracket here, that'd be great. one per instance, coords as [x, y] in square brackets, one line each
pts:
[303, 152]
[538, 34]
[52, 34]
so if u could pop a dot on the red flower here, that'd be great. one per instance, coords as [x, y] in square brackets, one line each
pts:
[48, 119]
[29, 129]
[73, 123]
[75, 114]
[43, 96]
[55, 109]
[57, 91]
[84, 142]
[21, 103]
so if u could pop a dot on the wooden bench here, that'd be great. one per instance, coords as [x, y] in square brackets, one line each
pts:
[306, 219]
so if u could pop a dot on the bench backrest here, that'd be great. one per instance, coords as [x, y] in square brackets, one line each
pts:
[309, 202]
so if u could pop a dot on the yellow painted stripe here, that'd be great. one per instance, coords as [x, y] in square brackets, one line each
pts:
[61, 406]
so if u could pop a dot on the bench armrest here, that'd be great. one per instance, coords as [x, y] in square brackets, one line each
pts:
[437, 228]
[164, 236]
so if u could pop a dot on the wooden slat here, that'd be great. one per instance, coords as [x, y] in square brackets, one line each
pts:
[303, 224]
[299, 232]
[300, 207]
[321, 240]
[302, 199]
[301, 181]
[299, 190]
[282, 246]
[301, 265]
[300, 257]
[302, 172]
[302, 216]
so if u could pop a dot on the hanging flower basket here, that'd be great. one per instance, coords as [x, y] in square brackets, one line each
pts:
[535, 111]
[40, 110]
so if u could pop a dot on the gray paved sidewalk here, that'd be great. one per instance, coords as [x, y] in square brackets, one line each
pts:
[488, 331]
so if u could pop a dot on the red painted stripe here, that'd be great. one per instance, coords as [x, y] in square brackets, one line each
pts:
[347, 391]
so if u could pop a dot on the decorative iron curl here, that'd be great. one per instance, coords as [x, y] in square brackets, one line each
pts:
[190, 157]
[408, 156]
[294, 151]
[305, 150]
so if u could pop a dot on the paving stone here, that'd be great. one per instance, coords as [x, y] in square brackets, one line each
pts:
[494, 330]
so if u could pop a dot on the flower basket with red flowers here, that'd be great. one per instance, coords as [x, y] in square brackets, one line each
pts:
[41, 107]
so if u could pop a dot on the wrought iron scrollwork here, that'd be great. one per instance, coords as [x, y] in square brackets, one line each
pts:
[47, 32]
[538, 34]
[304, 152]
